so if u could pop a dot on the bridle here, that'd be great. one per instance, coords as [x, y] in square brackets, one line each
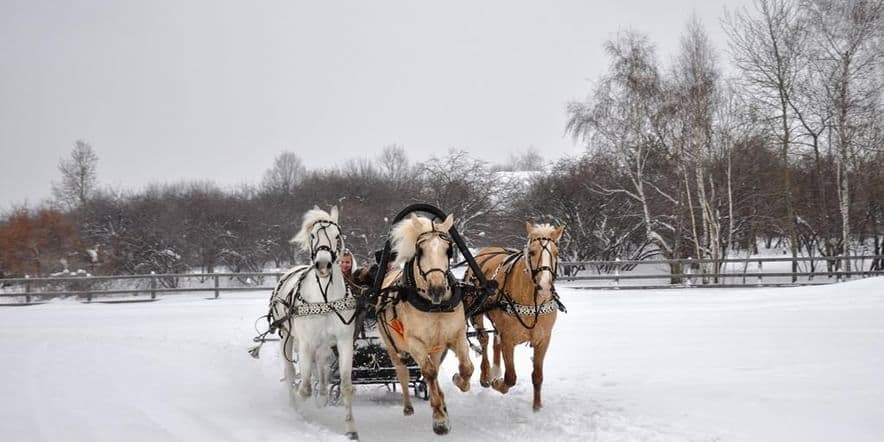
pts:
[423, 237]
[316, 247]
[545, 243]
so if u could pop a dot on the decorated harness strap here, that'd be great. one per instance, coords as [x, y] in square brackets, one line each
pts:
[322, 308]
[529, 310]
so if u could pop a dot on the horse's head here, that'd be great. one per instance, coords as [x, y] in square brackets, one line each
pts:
[426, 246]
[321, 236]
[542, 255]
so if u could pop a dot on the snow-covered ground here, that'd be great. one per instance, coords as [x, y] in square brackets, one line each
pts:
[782, 364]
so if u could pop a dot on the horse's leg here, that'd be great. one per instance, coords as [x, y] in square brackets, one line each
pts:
[464, 364]
[287, 345]
[306, 355]
[429, 363]
[323, 366]
[345, 368]
[484, 367]
[540, 347]
[509, 377]
[402, 375]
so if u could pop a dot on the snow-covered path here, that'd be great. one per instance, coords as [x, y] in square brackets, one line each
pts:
[697, 364]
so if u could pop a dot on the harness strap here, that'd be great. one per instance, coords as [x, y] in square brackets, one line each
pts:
[505, 301]
[526, 310]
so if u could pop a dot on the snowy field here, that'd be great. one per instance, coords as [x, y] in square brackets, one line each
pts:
[787, 364]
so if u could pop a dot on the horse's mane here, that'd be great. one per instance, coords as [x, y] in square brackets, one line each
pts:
[405, 235]
[542, 230]
[312, 216]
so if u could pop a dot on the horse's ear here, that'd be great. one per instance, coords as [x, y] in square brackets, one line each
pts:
[334, 213]
[316, 207]
[558, 232]
[529, 227]
[446, 225]
[416, 222]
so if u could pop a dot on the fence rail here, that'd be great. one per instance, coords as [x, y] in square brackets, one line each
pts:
[608, 274]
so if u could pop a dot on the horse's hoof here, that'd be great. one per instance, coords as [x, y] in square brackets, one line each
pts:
[352, 435]
[484, 383]
[500, 385]
[537, 407]
[440, 428]
[408, 410]
[460, 383]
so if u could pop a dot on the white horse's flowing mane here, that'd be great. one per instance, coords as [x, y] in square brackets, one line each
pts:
[312, 217]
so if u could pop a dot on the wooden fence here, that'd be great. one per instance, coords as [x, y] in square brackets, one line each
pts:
[763, 272]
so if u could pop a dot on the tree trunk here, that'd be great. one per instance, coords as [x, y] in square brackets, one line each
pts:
[787, 190]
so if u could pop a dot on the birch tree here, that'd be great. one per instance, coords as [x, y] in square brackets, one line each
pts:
[767, 45]
[622, 119]
[847, 37]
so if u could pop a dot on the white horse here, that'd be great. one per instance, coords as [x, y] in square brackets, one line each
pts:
[314, 310]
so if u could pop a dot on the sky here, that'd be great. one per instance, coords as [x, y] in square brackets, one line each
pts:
[169, 91]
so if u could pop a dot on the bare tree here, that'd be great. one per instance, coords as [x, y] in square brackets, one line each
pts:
[466, 188]
[694, 93]
[767, 46]
[287, 172]
[847, 36]
[528, 160]
[395, 165]
[78, 176]
[622, 120]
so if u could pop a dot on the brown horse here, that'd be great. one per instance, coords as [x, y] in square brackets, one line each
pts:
[524, 307]
[418, 314]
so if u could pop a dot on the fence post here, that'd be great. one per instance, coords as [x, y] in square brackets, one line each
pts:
[616, 273]
[88, 290]
[760, 269]
[687, 272]
[28, 289]
[153, 284]
[217, 292]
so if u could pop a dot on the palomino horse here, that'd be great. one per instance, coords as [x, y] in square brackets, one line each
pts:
[421, 314]
[313, 310]
[524, 307]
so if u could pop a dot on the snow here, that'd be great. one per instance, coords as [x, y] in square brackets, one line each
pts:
[670, 365]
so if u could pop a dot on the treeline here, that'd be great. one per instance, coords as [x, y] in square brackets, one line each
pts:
[173, 228]
[681, 161]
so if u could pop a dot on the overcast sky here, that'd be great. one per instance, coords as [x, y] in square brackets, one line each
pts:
[214, 90]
